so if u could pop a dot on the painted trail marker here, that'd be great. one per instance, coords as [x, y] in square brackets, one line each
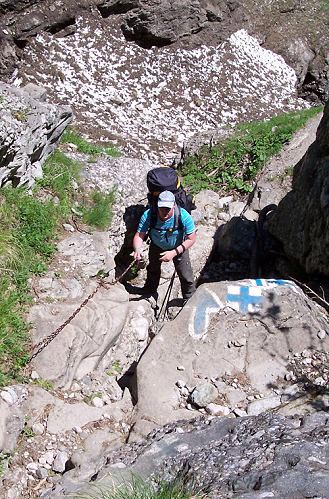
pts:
[244, 297]
[208, 304]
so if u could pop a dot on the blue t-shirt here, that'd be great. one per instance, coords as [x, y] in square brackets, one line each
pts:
[161, 235]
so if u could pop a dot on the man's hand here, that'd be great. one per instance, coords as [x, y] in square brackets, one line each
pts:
[137, 256]
[167, 256]
[139, 237]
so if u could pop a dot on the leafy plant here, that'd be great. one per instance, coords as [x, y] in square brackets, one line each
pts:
[234, 163]
[86, 147]
[61, 174]
[28, 432]
[115, 368]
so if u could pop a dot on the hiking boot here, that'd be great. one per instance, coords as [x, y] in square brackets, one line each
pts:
[146, 290]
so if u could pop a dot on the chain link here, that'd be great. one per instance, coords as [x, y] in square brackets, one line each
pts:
[45, 342]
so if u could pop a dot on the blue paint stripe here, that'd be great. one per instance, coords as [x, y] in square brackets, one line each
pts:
[200, 319]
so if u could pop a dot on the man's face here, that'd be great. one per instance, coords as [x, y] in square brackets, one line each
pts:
[166, 213]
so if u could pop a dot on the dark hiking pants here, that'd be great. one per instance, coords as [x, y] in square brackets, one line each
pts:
[183, 268]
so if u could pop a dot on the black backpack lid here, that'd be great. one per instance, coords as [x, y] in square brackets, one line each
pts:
[162, 179]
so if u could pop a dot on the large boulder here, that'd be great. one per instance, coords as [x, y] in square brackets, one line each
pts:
[236, 335]
[163, 22]
[301, 221]
[29, 132]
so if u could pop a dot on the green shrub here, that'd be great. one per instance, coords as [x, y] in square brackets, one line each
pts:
[60, 174]
[234, 163]
[44, 383]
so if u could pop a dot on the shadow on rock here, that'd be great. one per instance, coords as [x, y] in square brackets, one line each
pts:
[232, 249]
[123, 258]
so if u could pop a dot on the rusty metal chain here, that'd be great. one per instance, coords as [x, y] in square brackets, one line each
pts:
[45, 342]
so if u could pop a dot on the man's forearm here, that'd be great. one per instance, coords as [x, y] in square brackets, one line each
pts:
[137, 244]
[185, 245]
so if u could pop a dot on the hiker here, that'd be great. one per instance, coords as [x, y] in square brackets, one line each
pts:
[172, 233]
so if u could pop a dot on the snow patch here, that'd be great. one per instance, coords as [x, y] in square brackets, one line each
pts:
[151, 101]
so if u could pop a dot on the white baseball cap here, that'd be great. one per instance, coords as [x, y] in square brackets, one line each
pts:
[166, 199]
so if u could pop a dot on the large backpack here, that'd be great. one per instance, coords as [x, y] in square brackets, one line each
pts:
[166, 179]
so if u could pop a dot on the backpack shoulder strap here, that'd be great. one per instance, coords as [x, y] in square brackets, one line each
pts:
[153, 218]
[178, 224]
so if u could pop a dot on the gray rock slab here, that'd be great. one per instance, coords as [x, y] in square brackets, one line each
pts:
[92, 455]
[38, 403]
[217, 314]
[132, 340]
[257, 456]
[81, 345]
[86, 254]
[11, 425]
[258, 406]
[300, 404]
[64, 416]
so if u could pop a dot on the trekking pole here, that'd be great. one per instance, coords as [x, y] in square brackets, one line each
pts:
[167, 296]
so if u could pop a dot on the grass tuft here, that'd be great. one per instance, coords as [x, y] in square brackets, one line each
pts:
[84, 146]
[141, 489]
[99, 213]
[234, 163]
[29, 228]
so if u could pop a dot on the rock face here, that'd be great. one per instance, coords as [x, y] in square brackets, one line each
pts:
[29, 132]
[301, 221]
[8, 58]
[85, 341]
[239, 335]
[295, 30]
[256, 457]
[162, 22]
[275, 181]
